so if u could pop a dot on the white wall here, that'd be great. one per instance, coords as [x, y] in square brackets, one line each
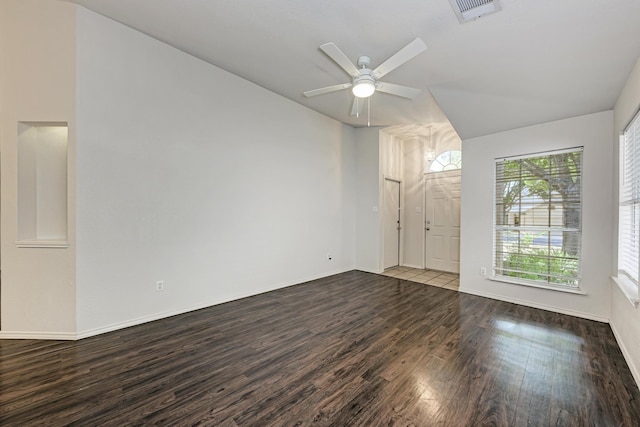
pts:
[368, 209]
[37, 84]
[27, 150]
[413, 169]
[444, 139]
[625, 319]
[379, 156]
[390, 157]
[594, 132]
[390, 167]
[193, 176]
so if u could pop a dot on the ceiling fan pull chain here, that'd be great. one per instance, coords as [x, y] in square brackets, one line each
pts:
[369, 112]
[357, 107]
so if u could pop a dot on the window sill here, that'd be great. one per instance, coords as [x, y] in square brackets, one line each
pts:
[59, 244]
[576, 291]
[628, 288]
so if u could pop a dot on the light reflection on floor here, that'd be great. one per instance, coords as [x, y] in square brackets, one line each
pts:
[440, 279]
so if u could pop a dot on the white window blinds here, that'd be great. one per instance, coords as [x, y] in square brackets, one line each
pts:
[538, 215]
[629, 210]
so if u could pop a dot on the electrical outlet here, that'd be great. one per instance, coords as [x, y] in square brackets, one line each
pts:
[483, 271]
[329, 257]
[159, 286]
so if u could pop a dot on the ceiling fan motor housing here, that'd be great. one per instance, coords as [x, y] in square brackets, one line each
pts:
[364, 61]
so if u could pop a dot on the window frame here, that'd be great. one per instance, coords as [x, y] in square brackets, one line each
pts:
[629, 286]
[495, 276]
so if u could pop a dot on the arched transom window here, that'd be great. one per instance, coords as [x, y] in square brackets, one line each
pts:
[447, 161]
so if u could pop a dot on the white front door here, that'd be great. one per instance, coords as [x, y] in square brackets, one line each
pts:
[442, 221]
[391, 223]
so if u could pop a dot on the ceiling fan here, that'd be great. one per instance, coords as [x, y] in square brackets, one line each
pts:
[365, 80]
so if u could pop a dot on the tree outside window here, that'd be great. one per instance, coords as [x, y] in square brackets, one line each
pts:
[538, 218]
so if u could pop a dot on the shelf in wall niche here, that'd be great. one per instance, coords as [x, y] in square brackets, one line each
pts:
[55, 244]
[42, 184]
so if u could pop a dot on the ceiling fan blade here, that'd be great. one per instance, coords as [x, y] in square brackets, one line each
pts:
[327, 89]
[403, 55]
[356, 108]
[340, 58]
[398, 90]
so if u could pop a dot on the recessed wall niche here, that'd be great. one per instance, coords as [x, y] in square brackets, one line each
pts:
[42, 184]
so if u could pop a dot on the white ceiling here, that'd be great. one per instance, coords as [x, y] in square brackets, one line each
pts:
[533, 62]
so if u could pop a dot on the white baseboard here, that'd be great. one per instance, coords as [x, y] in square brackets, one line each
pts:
[37, 335]
[369, 270]
[139, 321]
[574, 313]
[158, 316]
[413, 266]
[70, 336]
[627, 356]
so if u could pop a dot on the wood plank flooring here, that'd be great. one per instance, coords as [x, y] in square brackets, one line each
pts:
[351, 349]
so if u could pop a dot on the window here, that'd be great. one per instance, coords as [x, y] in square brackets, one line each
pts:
[449, 160]
[538, 214]
[629, 197]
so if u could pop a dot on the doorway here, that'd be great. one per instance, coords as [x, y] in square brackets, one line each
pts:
[391, 221]
[442, 221]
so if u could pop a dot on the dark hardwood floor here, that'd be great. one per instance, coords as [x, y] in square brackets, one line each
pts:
[351, 349]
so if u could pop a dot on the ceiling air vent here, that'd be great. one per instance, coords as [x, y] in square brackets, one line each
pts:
[470, 10]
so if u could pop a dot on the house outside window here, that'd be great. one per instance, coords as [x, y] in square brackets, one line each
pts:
[538, 214]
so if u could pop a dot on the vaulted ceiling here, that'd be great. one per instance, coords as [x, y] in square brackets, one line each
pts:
[532, 62]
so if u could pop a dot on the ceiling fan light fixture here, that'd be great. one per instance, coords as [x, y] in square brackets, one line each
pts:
[364, 88]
